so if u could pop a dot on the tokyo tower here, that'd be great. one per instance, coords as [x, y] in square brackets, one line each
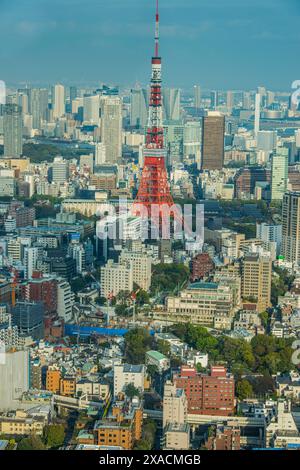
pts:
[154, 187]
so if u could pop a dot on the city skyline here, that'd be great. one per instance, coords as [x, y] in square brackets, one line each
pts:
[238, 47]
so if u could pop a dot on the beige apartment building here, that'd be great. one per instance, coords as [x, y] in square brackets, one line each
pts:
[174, 405]
[141, 267]
[256, 280]
[116, 277]
[203, 303]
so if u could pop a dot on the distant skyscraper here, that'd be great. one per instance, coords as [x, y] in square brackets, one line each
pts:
[279, 173]
[213, 130]
[291, 227]
[73, 93]
[257, 113]
[13, 128]
[171, 104]
[58, 101]
[214, 99]
[111, 127]
[197, 96]
[139, 108]
[266, 140]
[192, 141]
[174, 142]
[229, 97]
[246, 100]
[270, 98]
[38, 106]
[91, 105]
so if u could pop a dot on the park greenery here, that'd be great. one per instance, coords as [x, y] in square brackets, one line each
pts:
[148, 439]
[169, 277]
[263, 355]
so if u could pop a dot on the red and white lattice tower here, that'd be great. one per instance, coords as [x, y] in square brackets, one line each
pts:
[154, 187]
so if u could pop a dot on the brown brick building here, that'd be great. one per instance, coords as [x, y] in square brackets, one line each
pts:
[223, 437]
[207, 394]
[202, 266]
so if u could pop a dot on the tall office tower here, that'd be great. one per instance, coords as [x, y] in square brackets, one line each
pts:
[262, 91]
[29, 318]
[297, 138]
[279, 173]
[111, 127]
[290, 247]
[214, 100]
[229, 100]
[270, 98]
[267, 141]
[60, 170]
[38, 106]
[257, 114]
[73, 93]
[192, 141]
[139, 108]
[256, 280]
[154, 185]
[246, 100]
[171, 104]
[174, 142]
[100, 156]
[91, 109]
[213, 130]
[13, 129]
[22, 99]
[58, 101]
[197, 96]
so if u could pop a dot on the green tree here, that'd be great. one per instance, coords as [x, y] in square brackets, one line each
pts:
[54, 435]
[131, 391]
[32, 442]
[244, 389]
[137, 342]
[163, 347]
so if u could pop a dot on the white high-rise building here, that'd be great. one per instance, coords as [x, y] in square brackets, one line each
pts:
[65, 300]
[58, 101]
[91, 106]
[125, 374]
[257, 113]
[279, 173]
[111, 127]
[116, 277]
[141, 267]
[100, 154]
[31, 255]
[139, 108]
[171, 104]
[174, 405]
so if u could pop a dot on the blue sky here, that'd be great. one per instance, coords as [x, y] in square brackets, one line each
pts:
[222, 44]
